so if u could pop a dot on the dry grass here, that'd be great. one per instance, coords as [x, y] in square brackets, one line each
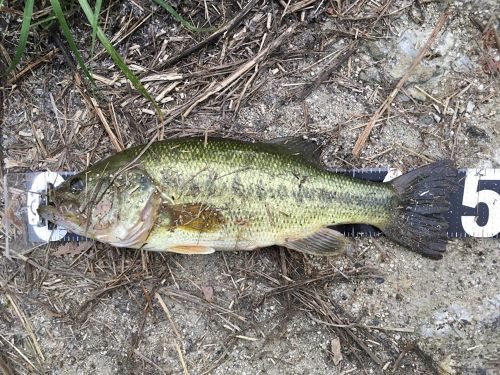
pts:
[191, 76]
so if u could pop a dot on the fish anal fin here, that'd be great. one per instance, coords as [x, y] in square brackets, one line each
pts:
[325, 242]
[191, 249]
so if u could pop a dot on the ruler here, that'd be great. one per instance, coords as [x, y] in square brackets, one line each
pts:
[474, 206]
[474, 211]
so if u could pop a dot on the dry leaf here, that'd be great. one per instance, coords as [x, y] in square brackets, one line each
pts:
[208, 293]
[73, 248]
[337, 355]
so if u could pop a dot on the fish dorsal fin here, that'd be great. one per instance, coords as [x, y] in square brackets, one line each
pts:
[308, 148]
[191, 249]
[326, 242]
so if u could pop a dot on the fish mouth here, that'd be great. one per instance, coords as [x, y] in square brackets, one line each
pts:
[67, 221]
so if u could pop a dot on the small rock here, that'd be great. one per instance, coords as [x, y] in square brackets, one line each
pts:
[422, 73]
[208, 293]
[427, 120]
[408, 41]
[476, 132]
[446, 43]
[378, 52]
[416, 94]
[470, 107]
[370, 75]
[335, 348]
[463, 64]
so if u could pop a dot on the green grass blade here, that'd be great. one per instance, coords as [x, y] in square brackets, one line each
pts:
[45, 22]
[56, 7]
[23, 37]
[183, 22]
[117, 58]
[97, 12]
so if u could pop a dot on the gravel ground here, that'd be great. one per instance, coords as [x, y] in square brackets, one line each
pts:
[272, 311]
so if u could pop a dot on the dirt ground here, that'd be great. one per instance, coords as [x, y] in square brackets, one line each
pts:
[380, 309]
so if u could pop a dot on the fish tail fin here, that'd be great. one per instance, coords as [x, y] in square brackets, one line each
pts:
[418, 221]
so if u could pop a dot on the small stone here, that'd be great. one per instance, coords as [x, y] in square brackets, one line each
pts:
[470, 107]
[370, 75]
[476, 132]
[422, 73]
[463, 64]
[416, 94]
[376, 51]
[427, 120]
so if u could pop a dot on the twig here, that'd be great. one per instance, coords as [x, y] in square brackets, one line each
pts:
[297, 6]
[221, 32]
[105, 123]
[181, 358]
[355, 325]
[195, 299]
[360, 143]
[245, 88]
[333, 65]
[169, 316]
[174, 327]
[5, 367]
[407, 348]
[118, 39]
[416, 153]
[92, 104]
[29, 329]
[213, 89]
[32, 65]
[19, 352]
[115, 124]
[428, 95]
[146, 359]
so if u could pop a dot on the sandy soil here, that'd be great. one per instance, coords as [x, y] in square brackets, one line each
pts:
[381, 309]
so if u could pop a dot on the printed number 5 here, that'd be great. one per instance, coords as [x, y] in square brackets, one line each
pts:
[472, 198]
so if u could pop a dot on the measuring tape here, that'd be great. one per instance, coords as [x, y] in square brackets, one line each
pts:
[474, 206]
[474, 210]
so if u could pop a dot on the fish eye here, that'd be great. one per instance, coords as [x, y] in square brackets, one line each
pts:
[76, 185]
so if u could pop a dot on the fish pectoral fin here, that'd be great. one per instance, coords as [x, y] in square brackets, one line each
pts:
[191, 249]
[325, 242]
[196, 217]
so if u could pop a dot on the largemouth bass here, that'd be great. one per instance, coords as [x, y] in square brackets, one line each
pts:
[198, 195]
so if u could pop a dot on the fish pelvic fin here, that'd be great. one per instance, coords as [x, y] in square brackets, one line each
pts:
[325, 242]
[418, 221]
